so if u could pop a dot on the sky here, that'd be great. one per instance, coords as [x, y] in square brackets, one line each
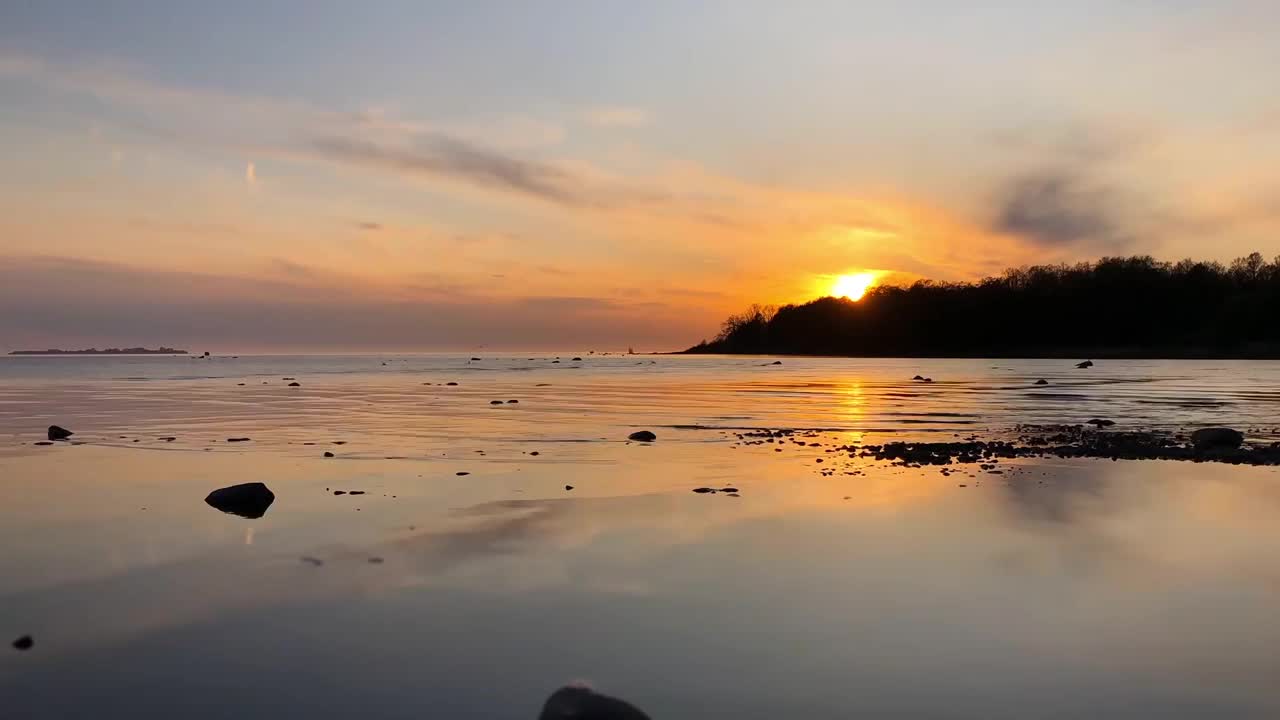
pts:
[327, 176]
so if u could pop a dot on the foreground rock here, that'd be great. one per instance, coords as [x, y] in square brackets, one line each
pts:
[1217, 438]
[580, 703]
[59, 433]
[249, 500]
[642, 436]
[1085, 364]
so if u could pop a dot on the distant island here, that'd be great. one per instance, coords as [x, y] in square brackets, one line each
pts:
[108, 351]
[1134, 307]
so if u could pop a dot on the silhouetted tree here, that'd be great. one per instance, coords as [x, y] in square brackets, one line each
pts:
[1116, 306]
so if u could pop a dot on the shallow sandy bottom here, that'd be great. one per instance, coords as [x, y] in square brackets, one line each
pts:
[1058, 589]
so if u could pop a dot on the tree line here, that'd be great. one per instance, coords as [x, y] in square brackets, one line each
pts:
[1117, 306]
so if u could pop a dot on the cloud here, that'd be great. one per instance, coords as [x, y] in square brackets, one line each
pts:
[250, 174]
[616, 117]
[1054, 208]
[300, 307]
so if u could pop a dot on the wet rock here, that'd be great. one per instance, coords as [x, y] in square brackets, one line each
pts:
[474, 358]
[513, 402]
[1217, 438]
[568, 487]
[577, 359]
[328, 454]
[776, 362]
[728, 489]
[44, 442]
[356, 492]
[167, 438]
[1099, 422]
[240, 384]
[1041, 381]
[495, 402]
[918, 377]
[338, 442]
[642, 436]
[704, 490]
[240, 439]
[59, 433]
[535, 453]
[1085, 364]
[461, 473]
[339, 492]
[248, 500]
[451, 383]
[580, 703]
[24, 643]
[295, 384]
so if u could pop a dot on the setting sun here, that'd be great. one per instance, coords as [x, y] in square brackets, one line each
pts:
[853, 286]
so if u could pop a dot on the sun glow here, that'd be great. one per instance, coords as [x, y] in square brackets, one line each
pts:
[853, 286]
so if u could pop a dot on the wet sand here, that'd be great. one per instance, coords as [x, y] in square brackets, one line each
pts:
[1040, 586]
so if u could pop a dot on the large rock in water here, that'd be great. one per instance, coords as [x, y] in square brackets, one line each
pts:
[1217, 438]
[578, 703]
[642, 436]
[59, 433]
[249, 500]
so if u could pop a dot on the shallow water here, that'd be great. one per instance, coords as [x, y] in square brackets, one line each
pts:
[1058, 589]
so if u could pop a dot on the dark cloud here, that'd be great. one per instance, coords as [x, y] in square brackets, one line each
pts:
[1055, 208]
[52, 302]
[450, 158]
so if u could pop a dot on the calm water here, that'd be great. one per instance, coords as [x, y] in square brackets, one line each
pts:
[1061, 589]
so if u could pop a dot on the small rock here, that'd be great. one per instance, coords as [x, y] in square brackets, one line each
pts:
[728, 489]
[642, 436]
[1085, 364]
[1217, 437]
[237, 439]
[24, 643]
[1099, 422]
[475, 358]
[295, 384]
[1042, 381]
[577, 359]
[568, 487]
[581, 703]
[240, 384]
[248, 500]
[512, 402]
[59, 433]
[495, 402]
[48, 442]
[704, 490]
[460, 473]
[451, 383]
[776, 362]
[339, 492]
[918, 377]
[535, 452]
[167, 438]
[328, 454]
[356, 492]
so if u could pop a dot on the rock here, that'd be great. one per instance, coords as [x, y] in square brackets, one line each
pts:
[43, 442]
[451, 383]
[356, 492]
[1216, 438]
[1085, 364]
[1099, 422]
[928, 379]
[577, 359]
[776, 362]
[555, 362]
[535, 452]
[249, 500]
[316, 562]
[1042, 381]
[460, 473]
[59, 433]
[375, 561]
[728, 489]
[568, 487]
[475, 358]
[328, 454]
[704, 490]
[581, 703]
[237, 439]
[23, 643]
[339, 492]
[240, 384]
[495, 402]
[295, 384]
[288, 378]
[167, 438]
[642, 436]
[918, 377]
[512, 402]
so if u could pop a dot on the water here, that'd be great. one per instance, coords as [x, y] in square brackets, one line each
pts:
[1059, 589]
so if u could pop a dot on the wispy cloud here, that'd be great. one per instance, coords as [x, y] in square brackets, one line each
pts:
[617, 117]
[250, 174]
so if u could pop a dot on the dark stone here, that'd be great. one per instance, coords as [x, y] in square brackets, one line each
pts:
[23, 643]
[568, 487]
[475, 358]
[642, 436]
[1042, 381]
[248, 500]
[555, 362]
[59, 433]
[338, 442]
[328, 454]
[168, 438]
[495, 402]
[580, 703]
[451, 383]
[918, 377]
[48, 442]
[1217, 438]
[728, 489]
[356, 492]
[776, 362]
[240, 384]
[237, 439]
[295, 384]
[339, 492]
[535, 452]
[1085, 364]
[1099, 422]
[460, 473]
[512, 402]
[577, 359]
[704, 490]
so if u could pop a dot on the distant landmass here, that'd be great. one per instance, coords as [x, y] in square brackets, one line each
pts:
[1134, 307]
[108, 351]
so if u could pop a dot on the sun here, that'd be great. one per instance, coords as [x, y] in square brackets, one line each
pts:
[853, 286]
